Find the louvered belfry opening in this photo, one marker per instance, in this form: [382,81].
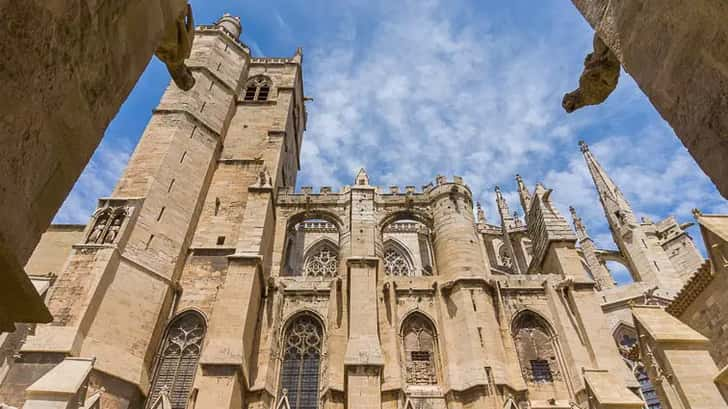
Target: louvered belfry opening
[177,360]
[302,346]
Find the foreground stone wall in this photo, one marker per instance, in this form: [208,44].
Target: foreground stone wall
[69,67]
[677,51]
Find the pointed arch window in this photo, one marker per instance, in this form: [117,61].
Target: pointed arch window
[321,261]
[177,360]
[626,339]
[418,338]
[396,261]
[302,345]
[536,350]
[257,89]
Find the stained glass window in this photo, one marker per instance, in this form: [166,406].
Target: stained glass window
[301,362]
[177,362]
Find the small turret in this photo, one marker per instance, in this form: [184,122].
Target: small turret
[231,24]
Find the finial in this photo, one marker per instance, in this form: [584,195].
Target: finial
[572,211]
[540,189]
[697,213]
[584,147]
[362,179]
[481,213]
[298,56]
[497,189]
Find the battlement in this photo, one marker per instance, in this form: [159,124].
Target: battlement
[228,35]
[273,60]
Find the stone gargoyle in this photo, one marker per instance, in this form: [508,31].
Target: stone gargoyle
[176,47]
[599,79]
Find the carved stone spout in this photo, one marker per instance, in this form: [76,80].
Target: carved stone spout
[176,46]
[597,81]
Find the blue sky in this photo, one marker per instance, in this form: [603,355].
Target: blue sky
[412,89]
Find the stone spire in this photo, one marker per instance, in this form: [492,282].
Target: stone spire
[581,233]
[525,197]
[503,209]
[362,179]
[597,270]
[481,214]
[616,207]
[506,224]
[648,261]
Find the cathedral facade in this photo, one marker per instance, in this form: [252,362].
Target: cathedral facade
[206,281]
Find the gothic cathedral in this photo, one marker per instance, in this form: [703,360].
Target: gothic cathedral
[206,281]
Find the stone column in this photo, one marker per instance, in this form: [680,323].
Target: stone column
[69,67]
[666,46]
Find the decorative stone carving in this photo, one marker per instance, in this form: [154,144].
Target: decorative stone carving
[113,229]
[176,47]
[263,178]
[108,222]
[99,227]
[599,79]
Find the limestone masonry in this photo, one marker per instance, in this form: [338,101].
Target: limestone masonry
[205,281]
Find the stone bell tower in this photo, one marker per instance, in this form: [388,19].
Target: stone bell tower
[120,284]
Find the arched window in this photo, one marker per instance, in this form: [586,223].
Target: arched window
[418,338]
[321,261]
[396,260]
[302,346]
[257,89]
[626,338]
[177,360]
[535,349]
[504,257]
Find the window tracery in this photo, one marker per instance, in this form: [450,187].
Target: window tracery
[396,263]
[257,89]
[419,351]
[535,349]
[300,370]
[626,339]
[322,262]
[177,362]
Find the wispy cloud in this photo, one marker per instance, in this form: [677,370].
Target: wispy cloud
[413,89]
[97,180]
